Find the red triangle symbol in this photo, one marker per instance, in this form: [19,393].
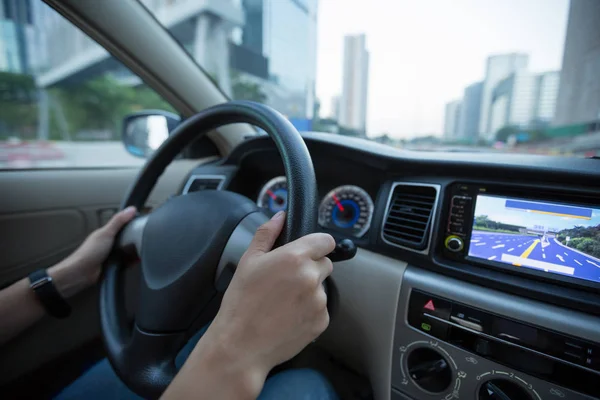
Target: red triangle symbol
[429,305]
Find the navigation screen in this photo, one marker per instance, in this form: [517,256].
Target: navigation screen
[550,237]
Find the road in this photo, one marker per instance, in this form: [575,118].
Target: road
[543,253]
[66,155]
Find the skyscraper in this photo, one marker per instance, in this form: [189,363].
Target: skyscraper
[547,96]
[524,100]
[579,93]
[20,47]
[266,44]
[452,119]
[335,107]
[468,128]
[498,68]
[353,103]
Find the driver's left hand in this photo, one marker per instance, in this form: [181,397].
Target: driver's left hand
[86,261]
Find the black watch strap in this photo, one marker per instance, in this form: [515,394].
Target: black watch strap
[48,295]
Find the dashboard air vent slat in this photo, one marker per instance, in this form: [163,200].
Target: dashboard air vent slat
[197,183]
[409,215]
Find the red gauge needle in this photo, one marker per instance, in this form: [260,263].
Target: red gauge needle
[272,195]
[337,203]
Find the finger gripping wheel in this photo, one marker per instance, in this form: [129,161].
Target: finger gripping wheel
[180,245]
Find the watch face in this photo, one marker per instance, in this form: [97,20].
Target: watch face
[47,294]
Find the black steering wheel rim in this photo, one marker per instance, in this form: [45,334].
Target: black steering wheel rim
[140,358]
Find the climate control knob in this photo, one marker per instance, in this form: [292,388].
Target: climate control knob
[502,389]
[429,369]
[454,244]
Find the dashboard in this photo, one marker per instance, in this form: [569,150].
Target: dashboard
[487,267]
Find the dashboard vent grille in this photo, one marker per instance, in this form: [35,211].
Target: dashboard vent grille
[409,215]
[198,183]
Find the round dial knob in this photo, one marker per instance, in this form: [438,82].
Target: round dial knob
[502,389]
[454,243]
[429,369]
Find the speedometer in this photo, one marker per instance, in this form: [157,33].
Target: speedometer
[273,196]
[347,209]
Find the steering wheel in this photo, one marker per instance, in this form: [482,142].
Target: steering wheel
[189,246]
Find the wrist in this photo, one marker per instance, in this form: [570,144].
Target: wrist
[243,376]
[68,278]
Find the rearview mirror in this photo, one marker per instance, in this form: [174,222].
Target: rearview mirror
[144,131]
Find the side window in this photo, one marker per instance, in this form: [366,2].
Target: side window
[62,96]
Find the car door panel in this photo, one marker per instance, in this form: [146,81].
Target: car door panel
[46,214]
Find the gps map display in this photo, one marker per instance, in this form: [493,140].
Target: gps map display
[549,237]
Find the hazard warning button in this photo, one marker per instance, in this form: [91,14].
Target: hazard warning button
[422,303]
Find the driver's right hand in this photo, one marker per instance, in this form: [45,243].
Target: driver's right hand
[276,303]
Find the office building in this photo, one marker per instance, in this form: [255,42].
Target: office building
[468,126]
[525,100]
[579,93]
[267,43]
[22,48]
[452,118]
[547,96]
[353,103]
[498,68]
[335,108]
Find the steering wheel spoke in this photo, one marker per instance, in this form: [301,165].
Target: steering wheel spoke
[130,239]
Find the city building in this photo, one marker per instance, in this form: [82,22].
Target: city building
[547,97]
[468,127]
[353,103]
[452,118]
[525,100]
[268,45]
[579,93]
[335,108]
[498,68]
[21,46]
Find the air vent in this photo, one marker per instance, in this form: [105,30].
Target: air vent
[197,183]
[409,215]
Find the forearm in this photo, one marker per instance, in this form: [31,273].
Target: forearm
[213,371]
[19,306]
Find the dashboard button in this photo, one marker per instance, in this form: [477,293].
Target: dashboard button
[456,228]
[421,303]
[470,318]
[458,219]
[454,244]
[433,327]
[483,347]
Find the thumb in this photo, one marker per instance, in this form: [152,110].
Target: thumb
[114,225]
[267,234]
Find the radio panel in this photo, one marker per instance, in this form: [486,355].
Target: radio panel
[523,232]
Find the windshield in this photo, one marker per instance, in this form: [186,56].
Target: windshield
[461,75]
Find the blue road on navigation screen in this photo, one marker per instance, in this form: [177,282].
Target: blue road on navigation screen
[546,252]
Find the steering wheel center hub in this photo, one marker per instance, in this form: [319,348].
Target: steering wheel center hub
[182,243]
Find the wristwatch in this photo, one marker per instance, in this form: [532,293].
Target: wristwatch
[43,286]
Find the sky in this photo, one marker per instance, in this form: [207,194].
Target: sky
[494,208]
[423,53]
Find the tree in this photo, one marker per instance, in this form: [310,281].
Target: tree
[482,220]
[18,105]
[504,133]
[101,103]
[244,89]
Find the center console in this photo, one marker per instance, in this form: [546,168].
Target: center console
[455,340]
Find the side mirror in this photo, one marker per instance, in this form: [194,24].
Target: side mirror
[144,131]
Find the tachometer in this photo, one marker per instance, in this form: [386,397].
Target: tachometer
[273,196]
[348,209]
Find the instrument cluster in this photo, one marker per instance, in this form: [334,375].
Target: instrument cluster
[347,209]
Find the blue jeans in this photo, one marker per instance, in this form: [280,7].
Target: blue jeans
[101,382]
